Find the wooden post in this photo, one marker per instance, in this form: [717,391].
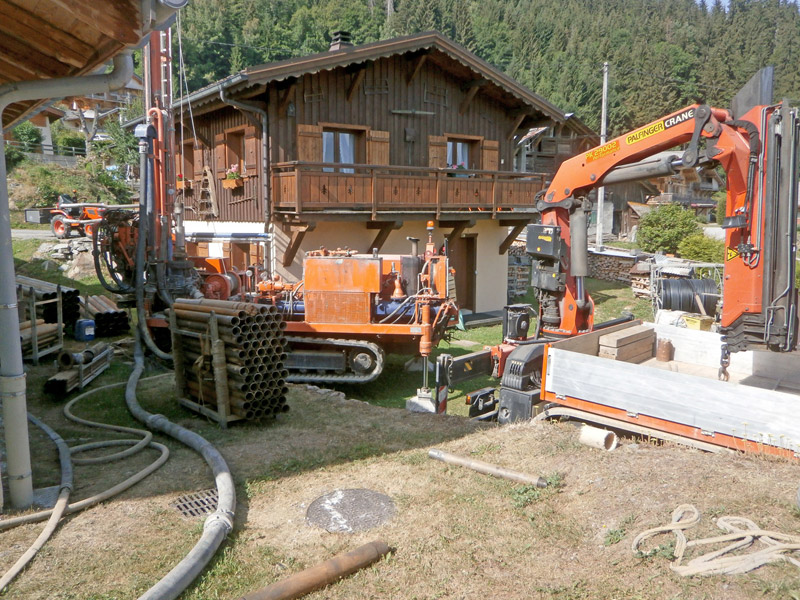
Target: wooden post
[438,194]
[298,202]
[218,363]
[373,180]
[177,356]
[494,195]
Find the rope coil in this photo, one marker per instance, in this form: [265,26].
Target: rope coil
[741,533]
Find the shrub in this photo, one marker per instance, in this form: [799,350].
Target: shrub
[29,135]
[67,141]
[14,156]
[664,228]
[702,248]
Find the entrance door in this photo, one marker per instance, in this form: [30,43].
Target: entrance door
[463,258]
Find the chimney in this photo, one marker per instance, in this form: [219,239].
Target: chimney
[341,39]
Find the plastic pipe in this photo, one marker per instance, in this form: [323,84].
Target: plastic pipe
[12,377]
[486,468]
[323,574]
[598,438]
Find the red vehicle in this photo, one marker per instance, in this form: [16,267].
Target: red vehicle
[69,216]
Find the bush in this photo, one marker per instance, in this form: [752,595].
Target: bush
[14,156]
[664,228]
[67,141]
[29,135]
[701,248]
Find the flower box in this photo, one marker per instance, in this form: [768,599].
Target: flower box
[183,184]
[232,184]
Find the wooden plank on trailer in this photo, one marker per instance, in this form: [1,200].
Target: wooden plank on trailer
[759,415]
[631,335]
[628,351]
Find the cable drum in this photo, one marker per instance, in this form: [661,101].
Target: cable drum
[680,294]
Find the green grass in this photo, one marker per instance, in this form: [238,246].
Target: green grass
[25,264]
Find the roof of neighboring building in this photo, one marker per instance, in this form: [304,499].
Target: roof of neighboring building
[438,49]
[49,39]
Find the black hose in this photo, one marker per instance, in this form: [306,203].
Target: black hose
[680,294]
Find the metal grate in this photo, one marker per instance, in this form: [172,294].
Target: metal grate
[197,504]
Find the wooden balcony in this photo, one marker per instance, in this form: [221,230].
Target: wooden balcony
[374,192]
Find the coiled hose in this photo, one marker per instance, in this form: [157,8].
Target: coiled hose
[682,294]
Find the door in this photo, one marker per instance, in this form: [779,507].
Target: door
[463,257]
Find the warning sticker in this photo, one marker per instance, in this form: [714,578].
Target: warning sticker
[602,151]
[731,253]
[644,133]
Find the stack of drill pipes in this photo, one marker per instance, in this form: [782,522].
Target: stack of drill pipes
[252,353]
[108,319]
[27,324]
[67,360]
[44,290]
[46,336]
[64,382]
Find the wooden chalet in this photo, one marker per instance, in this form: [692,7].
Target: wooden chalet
[362,145]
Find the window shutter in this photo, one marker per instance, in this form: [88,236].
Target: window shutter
[490,155]
[437,151]
[250,151]
[198,163]
[220,155]
[377,147]
[309,143]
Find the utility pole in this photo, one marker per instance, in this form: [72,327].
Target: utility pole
[601,191]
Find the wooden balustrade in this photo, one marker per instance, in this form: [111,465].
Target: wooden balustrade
[303,187]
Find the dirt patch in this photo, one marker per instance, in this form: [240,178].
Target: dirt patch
[456,534]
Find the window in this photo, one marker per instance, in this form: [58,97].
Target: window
[458,154]
[234,141]
[340,146]
[236,147]
[184,167]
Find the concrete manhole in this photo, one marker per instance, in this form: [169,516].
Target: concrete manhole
[348,511]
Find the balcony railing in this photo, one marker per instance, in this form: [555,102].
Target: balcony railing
[303,187]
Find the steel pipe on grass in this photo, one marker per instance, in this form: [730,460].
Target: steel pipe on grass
[486,468]
[323,574]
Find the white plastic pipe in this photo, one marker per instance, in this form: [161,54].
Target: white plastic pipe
[598,438]
[12,377]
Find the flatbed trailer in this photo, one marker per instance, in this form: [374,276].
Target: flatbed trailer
[755,411]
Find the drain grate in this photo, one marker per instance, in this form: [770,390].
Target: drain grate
[197,504]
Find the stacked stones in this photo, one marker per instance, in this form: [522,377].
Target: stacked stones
[244,369]
[108,319]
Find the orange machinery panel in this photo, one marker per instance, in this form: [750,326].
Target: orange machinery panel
[342,274]
[340,289]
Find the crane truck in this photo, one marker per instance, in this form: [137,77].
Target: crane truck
[557,369]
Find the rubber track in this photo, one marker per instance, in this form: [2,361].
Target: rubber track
[332,343]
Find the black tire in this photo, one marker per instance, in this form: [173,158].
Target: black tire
[59,228]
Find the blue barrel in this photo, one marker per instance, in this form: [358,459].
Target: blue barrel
[84,330]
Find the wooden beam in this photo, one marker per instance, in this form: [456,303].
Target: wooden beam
[384,229]
[295,240]
[416,68]
[119,21]
[520,118]
[286,98]
[458,230]
[472,91]
[188,133]
[354,85]
[511,237]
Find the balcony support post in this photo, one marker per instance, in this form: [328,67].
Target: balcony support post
[385,228]
[517,228]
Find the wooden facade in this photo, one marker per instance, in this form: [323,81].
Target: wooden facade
[388,135]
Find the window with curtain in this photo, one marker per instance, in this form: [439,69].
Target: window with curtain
[458,154]
[339,146]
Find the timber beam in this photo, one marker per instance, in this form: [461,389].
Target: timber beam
[286,97]
[458,228]
[516,229]
[189,134]
[416,67]
[358,79]
[471,91]
[296,235]
[384,229]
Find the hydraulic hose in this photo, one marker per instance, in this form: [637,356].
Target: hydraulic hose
[217,525]
[57,512]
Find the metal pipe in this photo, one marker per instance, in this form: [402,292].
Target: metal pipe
[202,317]
[486,468]
[323,574]
[12,376]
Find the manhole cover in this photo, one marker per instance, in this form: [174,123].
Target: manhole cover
[347,511]
[197,504]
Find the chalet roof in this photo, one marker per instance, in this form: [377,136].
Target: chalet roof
[440,50]
[62,38]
